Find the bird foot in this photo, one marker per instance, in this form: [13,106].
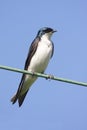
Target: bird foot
[49,77]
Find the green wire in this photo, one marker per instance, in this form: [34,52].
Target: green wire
[43,76]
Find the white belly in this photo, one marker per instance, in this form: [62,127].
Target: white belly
[41,57]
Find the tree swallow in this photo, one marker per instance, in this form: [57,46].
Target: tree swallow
[40,52]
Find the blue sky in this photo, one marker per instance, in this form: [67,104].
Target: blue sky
[49,105]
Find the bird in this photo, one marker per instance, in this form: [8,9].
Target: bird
[40,52]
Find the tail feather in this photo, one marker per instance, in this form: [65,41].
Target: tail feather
[20,98]
[14,99]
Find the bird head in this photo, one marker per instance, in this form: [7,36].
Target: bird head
[46,31]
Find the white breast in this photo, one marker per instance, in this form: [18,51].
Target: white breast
[42,56]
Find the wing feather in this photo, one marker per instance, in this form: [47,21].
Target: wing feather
[31,52]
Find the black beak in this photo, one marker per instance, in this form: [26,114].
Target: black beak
[54,31]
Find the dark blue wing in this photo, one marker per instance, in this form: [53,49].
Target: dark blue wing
[31,52]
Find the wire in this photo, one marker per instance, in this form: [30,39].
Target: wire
[44,76]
